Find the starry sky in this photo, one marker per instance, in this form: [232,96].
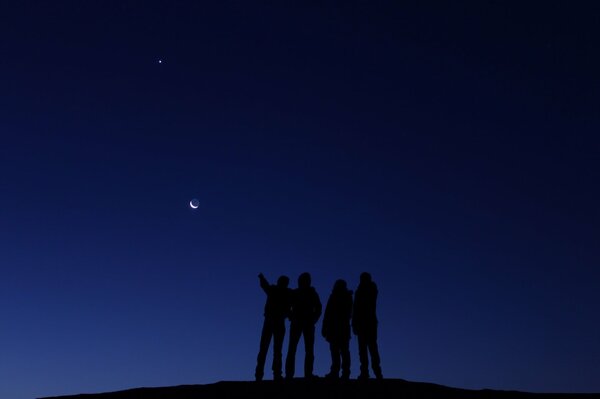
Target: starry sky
[451,150]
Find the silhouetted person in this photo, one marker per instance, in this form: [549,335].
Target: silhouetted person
[336,329]
[306,310]
[364,325]
[277,308]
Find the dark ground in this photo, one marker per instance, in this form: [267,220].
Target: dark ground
[303,389]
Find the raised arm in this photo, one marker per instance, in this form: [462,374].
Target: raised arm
[264,284]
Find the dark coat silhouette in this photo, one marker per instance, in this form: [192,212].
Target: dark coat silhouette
[277,308]
[306,310]
[364,325]
[336,328]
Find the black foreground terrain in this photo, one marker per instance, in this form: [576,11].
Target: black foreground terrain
[318,388]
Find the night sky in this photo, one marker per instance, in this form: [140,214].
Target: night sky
[451,150]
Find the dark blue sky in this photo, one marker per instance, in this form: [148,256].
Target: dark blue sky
[451,150]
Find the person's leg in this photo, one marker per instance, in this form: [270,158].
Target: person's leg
[309,346]
[290,360]
[334,348]
[363,356]
[278,334]
[374,351]
[265,341]
[345,354]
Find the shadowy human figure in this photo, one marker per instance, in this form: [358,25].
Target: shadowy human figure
[306,310]
[336,329]
[364,325]
[277,308]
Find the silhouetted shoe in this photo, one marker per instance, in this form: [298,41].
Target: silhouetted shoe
[363,376]
[289,377]
[277,377]
[258,378]
[332,376]
[379,376]
[345,376]
[311,377]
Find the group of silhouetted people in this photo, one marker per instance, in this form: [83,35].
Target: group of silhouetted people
[302,306]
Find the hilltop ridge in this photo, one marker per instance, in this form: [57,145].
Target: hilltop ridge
[309,389]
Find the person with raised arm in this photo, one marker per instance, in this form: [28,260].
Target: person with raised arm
[277,309]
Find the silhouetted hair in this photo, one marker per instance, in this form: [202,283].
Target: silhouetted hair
[304,280]
[340,285]
[365,277]
[283,281]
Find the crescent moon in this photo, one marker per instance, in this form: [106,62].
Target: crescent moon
[192,205]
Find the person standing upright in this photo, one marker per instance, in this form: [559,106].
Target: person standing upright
[336,329]
[277,309]
[364,325]
[306,310]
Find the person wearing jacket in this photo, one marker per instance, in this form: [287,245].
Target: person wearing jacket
[306,310]
[277,309]
[336,329]
[364,325]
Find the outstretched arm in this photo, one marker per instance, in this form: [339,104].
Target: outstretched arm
[264,284]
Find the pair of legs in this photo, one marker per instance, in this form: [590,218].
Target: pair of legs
[340,350]
[367,342]
[308,331]
[271,328]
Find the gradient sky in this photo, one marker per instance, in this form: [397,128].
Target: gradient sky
[452,150]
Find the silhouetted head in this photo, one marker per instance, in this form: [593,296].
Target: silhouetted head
[340,285]
[365,278]
[283,281]
[304,280]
